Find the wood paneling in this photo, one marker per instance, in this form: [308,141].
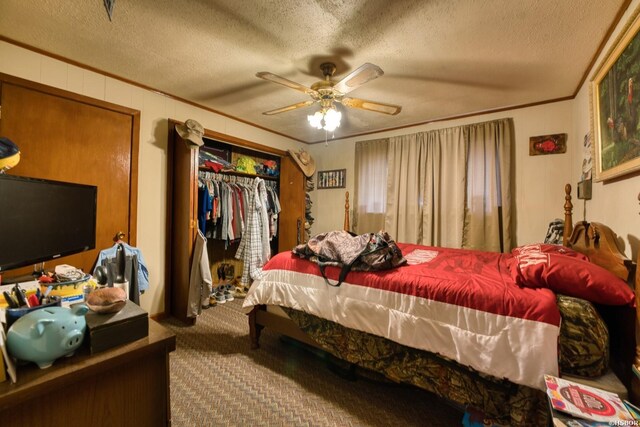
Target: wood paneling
[292,200]
[182,219]
[68,137]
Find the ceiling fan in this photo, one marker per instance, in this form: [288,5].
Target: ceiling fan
[326,92]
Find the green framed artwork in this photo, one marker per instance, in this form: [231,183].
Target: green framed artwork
[615,106]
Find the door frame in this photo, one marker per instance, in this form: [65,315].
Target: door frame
[94,102]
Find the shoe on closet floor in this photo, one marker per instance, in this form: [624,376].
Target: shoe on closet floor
[212,300]
[228,293]
[220,298]
[240,292]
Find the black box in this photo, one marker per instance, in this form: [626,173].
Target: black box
[109,330]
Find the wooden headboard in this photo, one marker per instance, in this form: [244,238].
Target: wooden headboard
[600,244]
[597,241]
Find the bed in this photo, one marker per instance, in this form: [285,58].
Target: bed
[466,325]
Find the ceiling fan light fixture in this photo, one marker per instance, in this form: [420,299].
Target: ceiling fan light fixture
[327,119]
[315,120]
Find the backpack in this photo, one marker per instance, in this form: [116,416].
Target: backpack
[364,252]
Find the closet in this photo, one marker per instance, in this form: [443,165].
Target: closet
[184,174]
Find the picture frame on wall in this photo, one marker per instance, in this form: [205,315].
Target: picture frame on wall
[548,144]
[615,106]
[332,179]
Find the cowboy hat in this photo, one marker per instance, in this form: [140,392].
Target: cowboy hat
[305,161]
[191,131]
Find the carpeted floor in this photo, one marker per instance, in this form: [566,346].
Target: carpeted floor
[217,380]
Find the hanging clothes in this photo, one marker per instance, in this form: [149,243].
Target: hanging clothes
[200,281]
[141,268]
[223,205]
[254,247]
[205,206]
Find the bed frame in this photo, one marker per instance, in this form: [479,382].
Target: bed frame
[596,240]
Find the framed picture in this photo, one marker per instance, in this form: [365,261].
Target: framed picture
[615,106]
[332,179]
[548,144]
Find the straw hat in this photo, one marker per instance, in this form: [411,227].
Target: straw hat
[191,131]
[305,161]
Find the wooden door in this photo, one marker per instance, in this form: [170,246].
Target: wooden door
[67,137]
[182,206]
[291,219]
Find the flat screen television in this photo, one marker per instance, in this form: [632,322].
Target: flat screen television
[41,220]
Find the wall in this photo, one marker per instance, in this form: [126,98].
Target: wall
[614,203]
[152,164]
[539,180]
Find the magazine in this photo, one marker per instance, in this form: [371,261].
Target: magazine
[586,402]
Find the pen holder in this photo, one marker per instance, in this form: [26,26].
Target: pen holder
[13,314]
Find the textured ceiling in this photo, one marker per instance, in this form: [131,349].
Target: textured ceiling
[441,58]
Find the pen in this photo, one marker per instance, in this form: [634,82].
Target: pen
[33,300]
[9,299]
[22,301]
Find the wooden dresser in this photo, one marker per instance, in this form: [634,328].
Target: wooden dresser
[124,386]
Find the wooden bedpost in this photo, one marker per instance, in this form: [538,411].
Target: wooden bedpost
[568,212]
[346,212]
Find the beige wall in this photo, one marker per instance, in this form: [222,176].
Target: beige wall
[539,180]
[613,203]
[155,110]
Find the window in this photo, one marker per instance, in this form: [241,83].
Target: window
[370,198]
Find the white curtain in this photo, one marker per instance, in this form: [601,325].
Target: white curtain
[452,187]
[488,214]
[370,192]
[405,183]
[426,187]
[444,189]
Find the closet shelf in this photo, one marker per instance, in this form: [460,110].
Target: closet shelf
[235,173]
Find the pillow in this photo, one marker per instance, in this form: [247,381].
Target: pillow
[549,249]
[570,276]
[583,344]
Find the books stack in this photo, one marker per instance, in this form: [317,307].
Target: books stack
[105,331]
[575,404]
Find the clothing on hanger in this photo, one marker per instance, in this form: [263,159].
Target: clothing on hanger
[200,282]
[142,277]
[254,248]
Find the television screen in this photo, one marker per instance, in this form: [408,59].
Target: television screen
[41,220]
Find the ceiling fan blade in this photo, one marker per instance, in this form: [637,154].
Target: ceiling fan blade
[361,75]
[285,82]
[378,107]
[289,107]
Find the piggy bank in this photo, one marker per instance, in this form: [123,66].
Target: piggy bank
[44,335]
